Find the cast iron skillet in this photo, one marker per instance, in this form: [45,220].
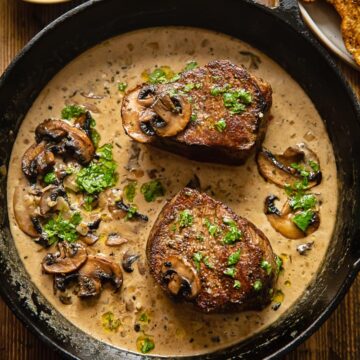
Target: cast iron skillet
[279,33]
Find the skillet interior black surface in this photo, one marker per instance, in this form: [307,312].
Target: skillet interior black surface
[278,33]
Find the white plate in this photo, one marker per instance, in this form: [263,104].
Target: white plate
[325,22]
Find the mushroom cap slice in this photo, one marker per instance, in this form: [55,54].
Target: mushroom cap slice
[24,211]
[68,259]
[71,138]
[49,199]
[131,111]
[278,169]
[181,278]
[98,268]
[175,111]
[36,160]
[283,222]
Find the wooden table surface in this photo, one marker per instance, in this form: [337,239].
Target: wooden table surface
[337,339]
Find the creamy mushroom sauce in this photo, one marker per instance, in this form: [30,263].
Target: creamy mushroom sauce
[176,328]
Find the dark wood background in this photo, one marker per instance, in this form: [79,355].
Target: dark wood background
[337,339]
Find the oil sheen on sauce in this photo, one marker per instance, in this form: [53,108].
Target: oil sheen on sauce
[176,328]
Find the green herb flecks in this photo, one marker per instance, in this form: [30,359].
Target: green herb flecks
[220,125]
[131,212]
[197,257]
[207,262]
[160,75]
[234,234]
[213,229]
[144,318]
[193,117]
[279,264]
[109,322]
[237,284]
[152,190]
[234,258]
[190,65]
[257,285]
[50,178]
[230,271]
[100,174]
[314,165]
[186,219]
[72,111]
[236,100]
[130,191]
[145,344]
[265,265]
[88,201]
[303,219]
[122,86]
[303,201]
[59,228]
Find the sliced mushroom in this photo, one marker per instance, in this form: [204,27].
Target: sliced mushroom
[174,112]
[68,138]
[146,95]
[282,221]
[131,110]
[37,160]
[25,211]
[278,169]
[84,122]
[136,215]
[89,239]
[49,199]
[180,277]
[96,270]
[68,259]
[115,239]
[128,260]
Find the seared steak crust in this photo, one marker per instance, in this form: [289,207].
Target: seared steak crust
[249,284]
[201,140]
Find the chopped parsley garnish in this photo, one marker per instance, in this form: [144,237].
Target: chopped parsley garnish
[59,228]
[109,322]
[220,125]
[130,191]
[233,235]
[122,86]
[193,117]
[303,219]
[185,219]
[188,87]
[231,271]
[314,165]
[145,344]
[50,178]
[207,263]
[131,212]
[161,75]
[257,285]
[197,257]
[191,65]
[72,111]
[99,174]
[217,90]
[234,258]
[200,237]
[212,228]
[232,100]
[237,284]
[144,318]
[152,190]
[300,169]
[95,137]
[265,265]
[88,200]
[279,263]
[305,202]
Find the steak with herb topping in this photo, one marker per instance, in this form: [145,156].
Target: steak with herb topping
[214,113]
[200,251]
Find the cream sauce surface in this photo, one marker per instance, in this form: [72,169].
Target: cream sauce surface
[177,329]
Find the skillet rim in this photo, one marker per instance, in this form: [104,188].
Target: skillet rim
[291,20]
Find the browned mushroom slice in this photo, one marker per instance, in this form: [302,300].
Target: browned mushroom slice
[131,111]
[49,199]
[25,212]
[291,224]
[174,112]
[68,259]
[291,166]
[37,160]
[68,137]
[96,270]
[128,260]
[115,239]
[181,278]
